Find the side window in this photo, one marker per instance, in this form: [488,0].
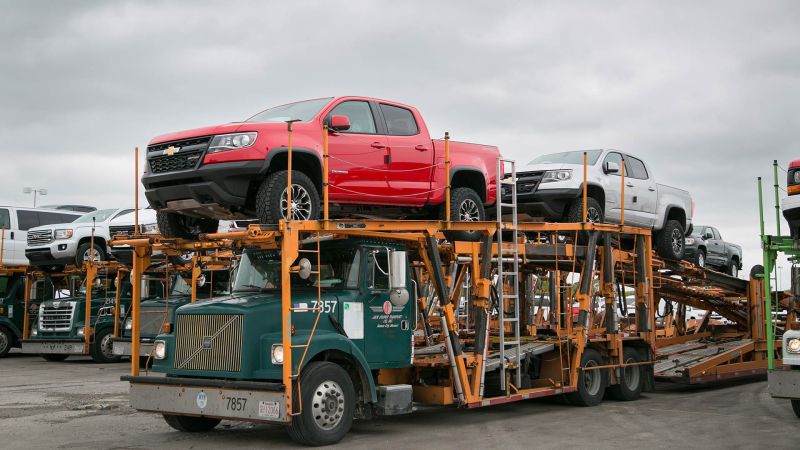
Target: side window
[716,234]
[399,121]
[355,270]
[5,219]
[49,218]
[360,115]
[615,158]
[637,168]
[378,264]
[27,219]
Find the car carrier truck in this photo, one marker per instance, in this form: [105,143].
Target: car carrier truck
[335,320]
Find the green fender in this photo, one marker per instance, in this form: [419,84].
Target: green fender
[4,322]
[326,340]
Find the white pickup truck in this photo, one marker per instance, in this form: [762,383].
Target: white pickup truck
[70,243]
[550,187]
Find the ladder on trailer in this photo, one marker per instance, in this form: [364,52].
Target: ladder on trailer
[508,275]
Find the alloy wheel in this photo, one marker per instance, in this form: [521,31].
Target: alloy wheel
[301,203]
[468,211]
[677,241]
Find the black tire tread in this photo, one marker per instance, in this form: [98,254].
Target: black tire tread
[575,210]
[170,225]
[458,195]
[620,391]
[9,338]
[304,433]
[581,397]
[94,348]
[85,246]
[268,195]
[54,357]
[663,243]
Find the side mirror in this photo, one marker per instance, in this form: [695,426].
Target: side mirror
[201,280]
[304,268]
[340,123]
[610,167]
[398,294]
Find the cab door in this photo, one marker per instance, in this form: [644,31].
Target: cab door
[410,156]
[7,235]
[357,163]
[643,198]
[387,328]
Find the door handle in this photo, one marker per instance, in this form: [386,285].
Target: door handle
[421,148]
[629,184]
[651,189]
[377,145]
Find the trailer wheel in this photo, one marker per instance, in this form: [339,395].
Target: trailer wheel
[174,225]
[189,424]
[271,198]
[328,404]
[670,242]
[796,407]
[465,206]
[102,349]
[630,385]
[54,357]
[6,340]
[591,383]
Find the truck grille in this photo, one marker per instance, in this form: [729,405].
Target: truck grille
[56,318]
[528,181]
[187,155]
[121,229]
[209,342]
[40,237]
[150,320]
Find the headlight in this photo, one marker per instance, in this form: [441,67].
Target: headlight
[796,176]
[690,241]
[150,228]
[226,142]
[34,332]
[556,175]
[793,345]
[277,354]
[62,234]
[159,350]
[81,331]
[129,324]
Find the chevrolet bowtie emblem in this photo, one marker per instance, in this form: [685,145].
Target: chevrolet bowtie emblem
[171,150]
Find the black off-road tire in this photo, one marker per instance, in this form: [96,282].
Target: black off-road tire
[54,357]
[632,378]
[593,210]
[591,387]
[700,258]
[318,390]
[465,205]
[758,269]
[733,268]
[174,225]
[101,350]
[6,341]
[84,248]
[190,424]
[269,195]
[673,233]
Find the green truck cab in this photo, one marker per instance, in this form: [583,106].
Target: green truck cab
[58,327]
[12,309]
[157,312]
[225,356]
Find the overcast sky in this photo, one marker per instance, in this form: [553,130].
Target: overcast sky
[708,93]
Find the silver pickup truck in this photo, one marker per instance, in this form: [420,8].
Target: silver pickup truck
[550,187]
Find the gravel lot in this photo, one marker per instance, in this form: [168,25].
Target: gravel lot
[80,404]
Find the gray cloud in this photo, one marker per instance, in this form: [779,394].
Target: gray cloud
[706,92]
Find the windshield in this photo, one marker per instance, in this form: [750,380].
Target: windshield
[214,284]
[575,157]
[261,270]
[302,111]
[98,216]
[698,231]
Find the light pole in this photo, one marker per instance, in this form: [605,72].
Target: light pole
[28,190]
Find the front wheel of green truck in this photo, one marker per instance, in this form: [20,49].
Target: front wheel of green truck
[54,357]
[102,349]
[6,340]
[190,424]
[328,404]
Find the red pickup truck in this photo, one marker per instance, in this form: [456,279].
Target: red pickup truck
[382,161]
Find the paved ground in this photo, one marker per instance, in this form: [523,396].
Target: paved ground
[79,404]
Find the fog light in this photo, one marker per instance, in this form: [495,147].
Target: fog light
[793,345]
[128,324]
[277,354]
[159,350]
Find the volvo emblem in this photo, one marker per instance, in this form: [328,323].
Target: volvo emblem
[171,150]
[202,400]
[206,342]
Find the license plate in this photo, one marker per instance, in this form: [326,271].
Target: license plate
[59,347]
[270,410]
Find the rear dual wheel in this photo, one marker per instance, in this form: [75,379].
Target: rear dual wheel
[631,379]
[591,382]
